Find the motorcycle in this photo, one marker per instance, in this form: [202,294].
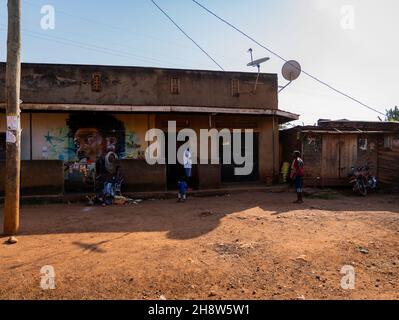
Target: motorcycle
[361,180]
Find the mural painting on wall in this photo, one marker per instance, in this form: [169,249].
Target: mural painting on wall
[99,140]
[132,150]
[89,146]
[58,145]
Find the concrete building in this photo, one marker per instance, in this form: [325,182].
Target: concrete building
[68,107]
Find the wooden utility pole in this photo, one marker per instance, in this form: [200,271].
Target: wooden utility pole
[13,136]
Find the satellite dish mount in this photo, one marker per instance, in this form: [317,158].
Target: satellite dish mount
[257,64]
[291,71]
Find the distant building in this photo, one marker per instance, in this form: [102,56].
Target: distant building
[331,148]
[68,109]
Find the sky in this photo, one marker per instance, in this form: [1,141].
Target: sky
[350,44]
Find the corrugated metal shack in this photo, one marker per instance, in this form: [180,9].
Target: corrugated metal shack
[331,148]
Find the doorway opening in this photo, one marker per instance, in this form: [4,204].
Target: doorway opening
[228,170]
[175,171]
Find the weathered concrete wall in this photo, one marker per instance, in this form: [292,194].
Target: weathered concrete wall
[71,84]
[140,176]
[269,156]
[49,132]
[50,141]
[38,177]
[209,176]
[46,177]
[25,136]
[268,137]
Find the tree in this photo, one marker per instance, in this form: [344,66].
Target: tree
[393,114]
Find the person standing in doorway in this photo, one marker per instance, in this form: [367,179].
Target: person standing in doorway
[188,164]
[297,173]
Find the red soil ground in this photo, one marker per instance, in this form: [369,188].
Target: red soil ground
[245,246]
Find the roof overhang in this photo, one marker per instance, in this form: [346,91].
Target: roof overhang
[283,116]
[347,132]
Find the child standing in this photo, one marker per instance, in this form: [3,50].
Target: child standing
[182,186]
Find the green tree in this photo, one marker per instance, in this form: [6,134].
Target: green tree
[393,114]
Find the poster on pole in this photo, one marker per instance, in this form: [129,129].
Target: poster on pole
[12,122]
[11,137]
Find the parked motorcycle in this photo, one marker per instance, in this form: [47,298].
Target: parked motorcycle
[362,180]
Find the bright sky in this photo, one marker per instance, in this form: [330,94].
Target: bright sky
[358,56]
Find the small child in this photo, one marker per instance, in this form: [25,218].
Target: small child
[182,186]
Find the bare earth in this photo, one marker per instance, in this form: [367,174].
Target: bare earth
[245,246]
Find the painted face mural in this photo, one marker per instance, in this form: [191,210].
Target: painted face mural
[97,137]
[89,144]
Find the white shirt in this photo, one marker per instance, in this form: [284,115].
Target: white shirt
[188,162]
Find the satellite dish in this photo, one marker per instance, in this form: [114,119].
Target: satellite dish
[257,62]
[291,70]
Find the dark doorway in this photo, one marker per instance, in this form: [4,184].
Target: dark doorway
[2,146]
[228,170]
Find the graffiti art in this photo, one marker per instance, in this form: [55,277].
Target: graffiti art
[98,141]
[96,134]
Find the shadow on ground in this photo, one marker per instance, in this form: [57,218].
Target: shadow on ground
[195,218]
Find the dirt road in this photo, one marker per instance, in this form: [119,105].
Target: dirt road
[245,246]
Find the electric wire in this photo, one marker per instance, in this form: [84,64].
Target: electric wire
[190,38]
[286,60]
